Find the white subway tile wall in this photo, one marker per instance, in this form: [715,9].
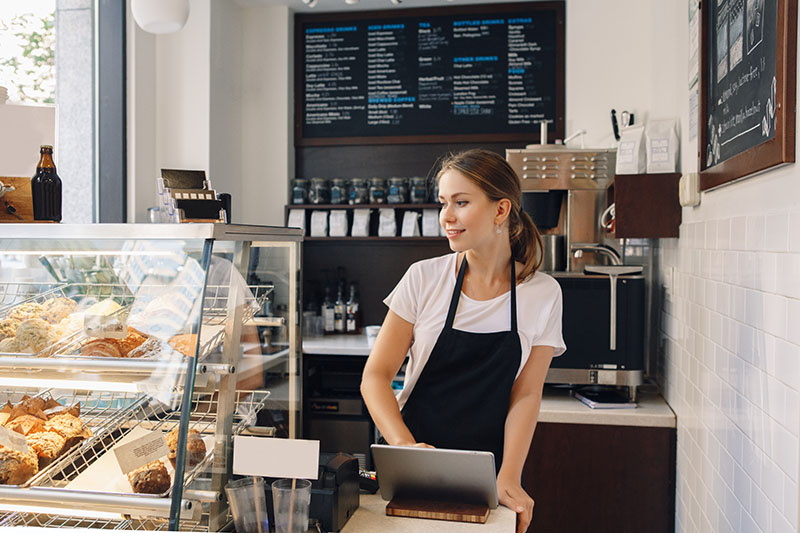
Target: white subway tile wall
[729,365]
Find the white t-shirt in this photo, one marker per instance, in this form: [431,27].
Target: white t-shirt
[422,297]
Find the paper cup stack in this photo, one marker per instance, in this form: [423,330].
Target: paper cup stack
[3,95]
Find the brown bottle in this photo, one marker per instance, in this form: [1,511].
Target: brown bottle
[46,188]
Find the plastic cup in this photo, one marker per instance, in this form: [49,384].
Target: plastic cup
[248,504]
[291,505]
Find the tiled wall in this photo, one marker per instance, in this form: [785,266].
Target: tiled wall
[729,365]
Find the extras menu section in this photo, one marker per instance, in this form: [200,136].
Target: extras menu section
[430,73]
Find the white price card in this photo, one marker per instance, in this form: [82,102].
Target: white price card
[142,451]
[13,440]
[271,457]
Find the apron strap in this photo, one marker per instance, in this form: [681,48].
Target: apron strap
[513,295]
[451,312]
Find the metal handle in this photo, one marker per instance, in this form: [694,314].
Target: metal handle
[612,332]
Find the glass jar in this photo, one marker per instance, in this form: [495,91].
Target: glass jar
[397,192]
[377,191]
[300,192]
[338,191]
[418,190]
[358,193]
[434,197]
[320,192]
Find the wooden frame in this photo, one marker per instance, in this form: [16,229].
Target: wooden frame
[557,132]
[778,150]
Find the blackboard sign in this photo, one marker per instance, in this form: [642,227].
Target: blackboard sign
[488,73]
[748,60]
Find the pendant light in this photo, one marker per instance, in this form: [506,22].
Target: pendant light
[160,16]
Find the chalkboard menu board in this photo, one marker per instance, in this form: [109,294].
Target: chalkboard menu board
[741,98]
[748,87]
[473,73]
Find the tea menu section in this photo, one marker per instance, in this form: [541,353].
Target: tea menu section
[453,74]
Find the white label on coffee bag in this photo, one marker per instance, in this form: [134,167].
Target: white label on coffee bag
[13,440]
[270,457]
[142,451]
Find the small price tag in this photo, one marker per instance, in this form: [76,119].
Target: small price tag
[13,440]
[142,451]
[104,327]
[271,457]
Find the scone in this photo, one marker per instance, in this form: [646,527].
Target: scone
[152,478]
[195,447]
[9,345]
[33,335]
[150,349]
[47,445]
[17,467]
[56,309]
[25,311]
[8,328]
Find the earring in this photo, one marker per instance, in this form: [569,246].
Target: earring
[498,230]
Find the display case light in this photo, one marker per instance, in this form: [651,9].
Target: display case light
[160,16]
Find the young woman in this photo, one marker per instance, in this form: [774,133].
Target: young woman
[481,325]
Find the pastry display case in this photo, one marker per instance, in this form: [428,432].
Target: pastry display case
[130,355]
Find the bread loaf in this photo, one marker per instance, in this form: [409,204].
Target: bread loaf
[195,447]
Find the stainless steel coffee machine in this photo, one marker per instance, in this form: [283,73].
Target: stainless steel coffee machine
[564,191]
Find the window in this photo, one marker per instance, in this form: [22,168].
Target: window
[48,57]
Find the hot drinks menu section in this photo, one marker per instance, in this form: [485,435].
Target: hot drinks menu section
[433,75]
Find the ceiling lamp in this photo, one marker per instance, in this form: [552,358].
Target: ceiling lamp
[160,16]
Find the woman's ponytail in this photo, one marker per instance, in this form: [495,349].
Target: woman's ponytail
[526,243]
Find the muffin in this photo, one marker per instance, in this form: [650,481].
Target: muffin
[68,426]
[195,447]
[9,345]
[152,478]
[26,424]
[17,467]
[47,445]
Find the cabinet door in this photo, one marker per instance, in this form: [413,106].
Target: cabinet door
[599,478]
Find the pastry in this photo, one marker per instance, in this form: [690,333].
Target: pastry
[105,307]
[33,335]
[47,445]
[9,345]
[101,348]
[152,478]
[8,328]
[66,425]
[56,309]
[26,424]
[114,347]
[17,467]
[150,349]
[184,343]
[25,311]
[195,447]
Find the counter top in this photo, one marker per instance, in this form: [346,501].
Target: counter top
[559,407]
[371,517]
[337,345]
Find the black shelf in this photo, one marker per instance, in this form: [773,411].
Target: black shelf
[373,239]
[363,206]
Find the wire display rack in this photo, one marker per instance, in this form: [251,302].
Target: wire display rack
[18,292]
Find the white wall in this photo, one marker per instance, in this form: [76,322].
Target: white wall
[214,96]
[730,361]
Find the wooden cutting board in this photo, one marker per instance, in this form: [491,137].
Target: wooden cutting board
[20,199]
[454,512]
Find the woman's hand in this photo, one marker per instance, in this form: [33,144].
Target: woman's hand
[512,495]
[415,444]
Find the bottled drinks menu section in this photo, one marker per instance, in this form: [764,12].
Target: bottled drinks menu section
[448,73]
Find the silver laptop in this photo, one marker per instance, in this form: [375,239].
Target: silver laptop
[436,473]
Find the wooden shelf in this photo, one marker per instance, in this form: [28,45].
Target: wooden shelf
[646,205]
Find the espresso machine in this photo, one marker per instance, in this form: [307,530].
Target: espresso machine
[565,192]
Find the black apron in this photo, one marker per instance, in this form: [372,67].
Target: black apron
[462,396]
